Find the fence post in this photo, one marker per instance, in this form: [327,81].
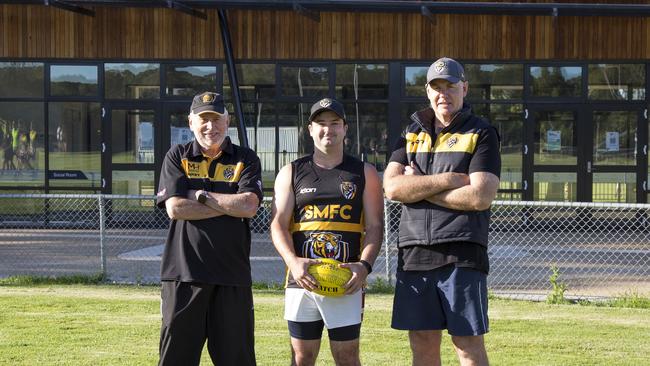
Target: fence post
[102,226]
[386,243]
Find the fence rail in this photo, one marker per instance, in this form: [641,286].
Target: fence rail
[601,250]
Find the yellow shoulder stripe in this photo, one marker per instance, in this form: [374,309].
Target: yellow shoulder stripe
[456,142]
[418,143]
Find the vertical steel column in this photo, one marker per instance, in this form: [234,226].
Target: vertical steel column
[386,242]
[232,76]
[102,229]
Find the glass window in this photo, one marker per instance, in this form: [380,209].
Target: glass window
[73,80]
[21,79]
[190,80]
[362,81]
[555,138]
[415,79]
[22,208]
[407,111]
[560,187]
[614,187]
[255,81]
[294,134]
[138,182]
[616,82]
[133,136]
[22,144]
[74,144]
[305,81]
[614,137]
[556,81]
[495,81]
[132,81]
[179,129]
[367,135]
[509,121]
[260,130]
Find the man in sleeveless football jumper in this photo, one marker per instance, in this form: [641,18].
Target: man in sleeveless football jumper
[326,205]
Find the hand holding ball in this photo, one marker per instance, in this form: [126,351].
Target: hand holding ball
[330,277]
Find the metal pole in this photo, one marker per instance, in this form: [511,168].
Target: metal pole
[102,227]
[232,76]
[386,242]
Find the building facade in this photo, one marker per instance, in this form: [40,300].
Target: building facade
[91,103]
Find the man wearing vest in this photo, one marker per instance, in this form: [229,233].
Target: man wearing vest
[445,170]
[210,187]
[326,205]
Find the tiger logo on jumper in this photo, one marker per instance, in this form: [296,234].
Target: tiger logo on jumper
[348,189]
[326,245]
[229,172]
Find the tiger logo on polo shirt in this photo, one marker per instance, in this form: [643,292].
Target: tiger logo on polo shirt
[326,245]
[216,172]
[229,172]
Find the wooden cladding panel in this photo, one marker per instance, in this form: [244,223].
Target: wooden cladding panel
[158,33]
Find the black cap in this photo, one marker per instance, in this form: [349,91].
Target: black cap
[446,68]
[207,102]
[327,104]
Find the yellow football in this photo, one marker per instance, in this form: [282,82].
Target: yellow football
[330,277]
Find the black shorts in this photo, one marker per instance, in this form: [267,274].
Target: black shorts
[314,330]
[192,312]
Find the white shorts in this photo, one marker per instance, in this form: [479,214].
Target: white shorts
[301,305]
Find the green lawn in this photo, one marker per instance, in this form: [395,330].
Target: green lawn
[111,325]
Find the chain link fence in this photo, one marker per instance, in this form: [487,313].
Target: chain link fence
[600,250]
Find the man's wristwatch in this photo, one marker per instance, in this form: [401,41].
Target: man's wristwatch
[202,197]
[367,265]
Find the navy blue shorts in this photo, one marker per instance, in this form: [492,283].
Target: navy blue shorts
[450,297]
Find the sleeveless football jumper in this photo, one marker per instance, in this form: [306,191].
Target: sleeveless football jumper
[327,217]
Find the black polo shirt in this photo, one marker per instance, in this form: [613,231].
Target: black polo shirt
[214,250]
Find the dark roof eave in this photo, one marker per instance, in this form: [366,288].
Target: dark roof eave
[394,6]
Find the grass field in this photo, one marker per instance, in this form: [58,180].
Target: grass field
[111,325]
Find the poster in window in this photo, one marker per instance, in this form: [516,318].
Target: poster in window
[612,141]
[553,140]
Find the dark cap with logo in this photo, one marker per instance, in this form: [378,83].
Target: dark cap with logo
[208,102]
[327,104]
[446,68]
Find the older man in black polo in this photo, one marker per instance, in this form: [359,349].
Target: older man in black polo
[210,187]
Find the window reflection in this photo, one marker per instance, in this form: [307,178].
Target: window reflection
[132,81]
[554,81]
[559,187]
[255,81]
[555,138]
[190,80]
[294,136]
[614,137]
[73,80]
[21,144]
[365,81]
[74,144]
[614,187]
[509,122]
[415,79]
[367,135]
[494,81]
[407,111]
[21,79]
[308,81]
[133,136]
[616,82]
[133,182]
